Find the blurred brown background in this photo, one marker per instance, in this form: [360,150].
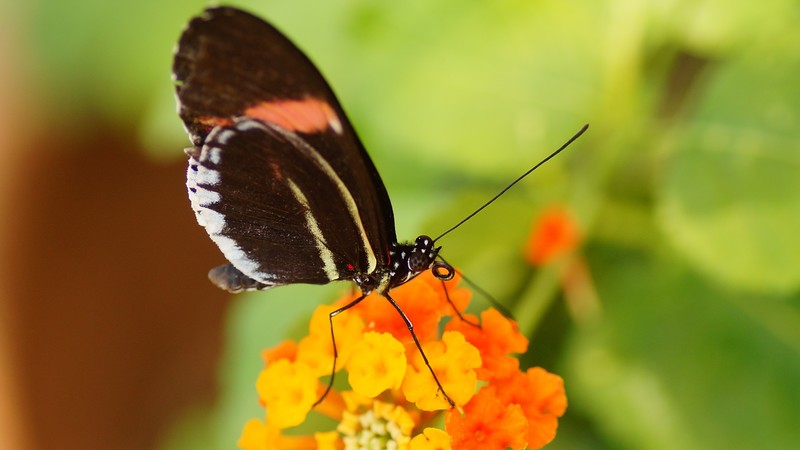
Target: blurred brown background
[103,351]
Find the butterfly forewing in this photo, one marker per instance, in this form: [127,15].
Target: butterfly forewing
[235,74]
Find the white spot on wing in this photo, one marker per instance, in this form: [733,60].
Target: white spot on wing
[204,197]
[224,136]
[198,178]
[191,185]
[246,125]
[239,259]
[215,154]
[206,176]
[214,223]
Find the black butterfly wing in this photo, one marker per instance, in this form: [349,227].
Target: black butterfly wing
[277,223]
[232,68]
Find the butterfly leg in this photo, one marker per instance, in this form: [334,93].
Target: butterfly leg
[333,341]
[419,347]
[453,305]
[443,271]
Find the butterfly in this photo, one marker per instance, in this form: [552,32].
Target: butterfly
[277,175]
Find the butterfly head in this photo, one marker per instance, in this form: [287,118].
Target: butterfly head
[406,261]
[422,255]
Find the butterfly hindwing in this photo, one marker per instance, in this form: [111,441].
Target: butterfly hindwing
[231,68]
[277,223]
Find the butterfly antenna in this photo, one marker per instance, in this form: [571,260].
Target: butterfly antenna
[566,144]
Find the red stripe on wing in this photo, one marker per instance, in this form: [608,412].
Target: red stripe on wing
[309,115]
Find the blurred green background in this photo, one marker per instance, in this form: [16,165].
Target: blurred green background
[686,188]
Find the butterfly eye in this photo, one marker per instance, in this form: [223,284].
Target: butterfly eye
[443,271]
[417,262]
[423,243]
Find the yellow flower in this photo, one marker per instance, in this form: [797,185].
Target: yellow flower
[316,349]
[431,439]
[454,361]
[288,389]
[258,435]
[328,440]
[378,363]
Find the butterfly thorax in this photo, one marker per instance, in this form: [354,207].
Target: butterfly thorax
[408,260]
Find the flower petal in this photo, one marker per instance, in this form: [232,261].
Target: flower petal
[487,424]
[454,361]
[316,349]
[495,339]
[257,435]
[377,363]
[541,396]
[285,350]
[329,440]
[288,389]
[423,301]
[554,234]
[431,439]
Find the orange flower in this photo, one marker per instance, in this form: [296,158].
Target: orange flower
[541,396]
[285,350]
[423,301]
[554,234]
[495,339]
[521,411]
[487,423]
[394,401]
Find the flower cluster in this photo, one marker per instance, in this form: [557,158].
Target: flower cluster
[392,400]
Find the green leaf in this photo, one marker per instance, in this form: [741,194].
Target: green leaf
[677,363]
[729,200]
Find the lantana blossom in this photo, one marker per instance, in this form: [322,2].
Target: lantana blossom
[555,233]
[391,400]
